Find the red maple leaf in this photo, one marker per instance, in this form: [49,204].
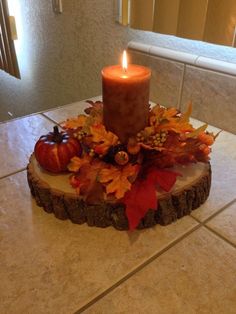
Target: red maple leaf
[139,200]
[164,178]
[143,196]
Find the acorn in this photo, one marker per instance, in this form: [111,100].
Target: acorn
[112,151]
[121,158]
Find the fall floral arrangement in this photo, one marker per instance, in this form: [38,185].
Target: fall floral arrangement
[105,170]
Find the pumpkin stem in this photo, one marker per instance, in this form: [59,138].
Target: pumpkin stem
[57,137]
[55,130]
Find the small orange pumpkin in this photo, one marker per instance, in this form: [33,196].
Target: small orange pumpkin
[54,150]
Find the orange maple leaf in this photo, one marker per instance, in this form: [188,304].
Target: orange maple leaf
[74,123]
[167,119]
[86,183]
[88,178]
[158,111]
[76,163]
[103,138]
[186,115]
[96,109]
[170,113]
[197,131]
[118,179]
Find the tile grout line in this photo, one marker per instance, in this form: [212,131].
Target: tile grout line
[203,223]
[181,89]
[41,112]
[155,256]
[12,173]
[136,270]
[32,114]
[220,236]
[208,67]
[214,214]
[49,119]
[22,169]
[219,211]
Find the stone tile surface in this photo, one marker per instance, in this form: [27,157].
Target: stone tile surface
[197,275]
[225,223]
[54,266]
[213,96]
[69,111]
[223,162]
[166,78]
[17,141]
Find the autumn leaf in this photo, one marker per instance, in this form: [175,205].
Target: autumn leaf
[168,119]
[207,138]
[103,138]
[175,127]
[186,116]
[96,108]
[74,123]
[95,114]
[158,111]
[75,183]
[163,178]
[142,195]
[160,114]
[100,134]
[169,113]
[118,179]
[149,130]
[86,181]
[197,131]
[89,184]
[76,163]
[139,200]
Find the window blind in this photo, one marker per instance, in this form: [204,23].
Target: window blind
[8,60]
[208,20]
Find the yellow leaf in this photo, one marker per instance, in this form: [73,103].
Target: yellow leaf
[96,109]
[74,123]
[217,134]
[149,130]
[175,126]
[158,111]
[169,113]
[76,163]
[186,116]
[117,179]
[103,138]
[196,132]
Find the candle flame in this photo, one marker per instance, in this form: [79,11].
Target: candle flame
[124,61]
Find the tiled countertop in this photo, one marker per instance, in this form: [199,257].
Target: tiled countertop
[53,266]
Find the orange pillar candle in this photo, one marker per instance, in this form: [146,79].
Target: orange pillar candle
[125,99]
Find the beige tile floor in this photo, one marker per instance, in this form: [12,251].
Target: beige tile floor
[53,266]
[17,139]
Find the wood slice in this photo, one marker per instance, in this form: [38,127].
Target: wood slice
[54,193]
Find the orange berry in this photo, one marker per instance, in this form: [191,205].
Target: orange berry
[205,138]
